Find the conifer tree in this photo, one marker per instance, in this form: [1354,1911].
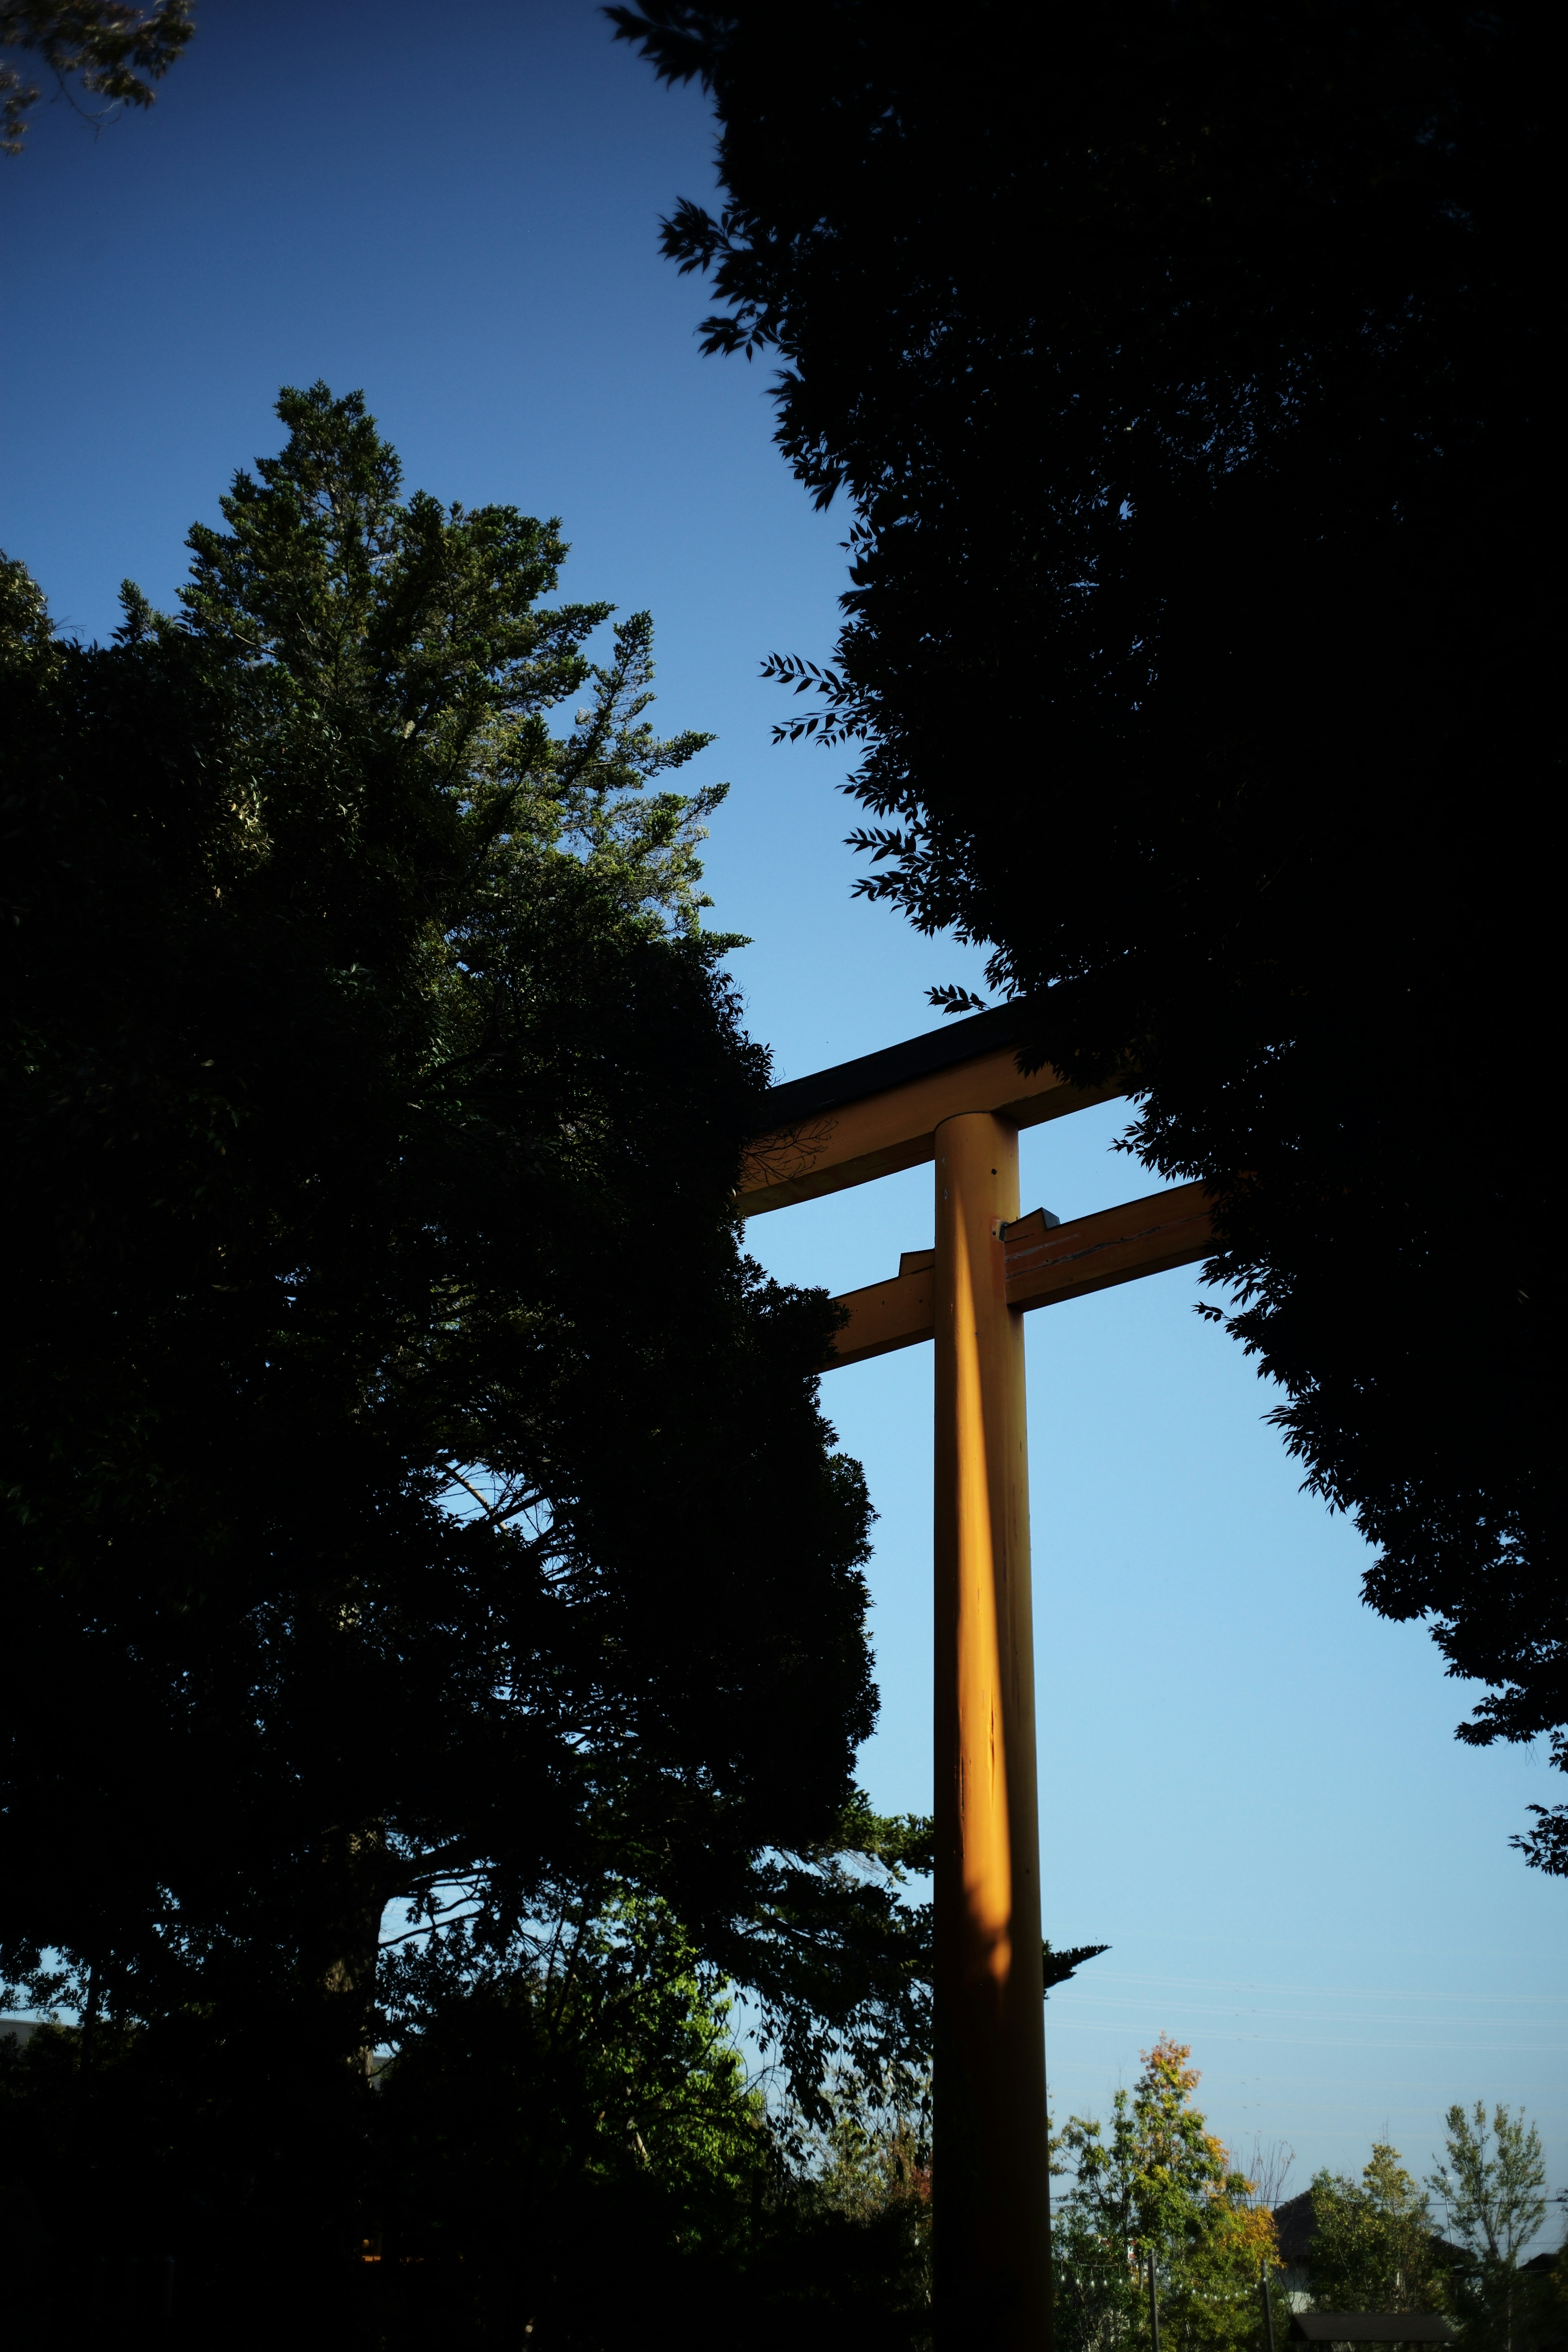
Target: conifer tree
[416,1501]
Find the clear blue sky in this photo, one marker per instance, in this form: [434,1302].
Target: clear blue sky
[1250,1785]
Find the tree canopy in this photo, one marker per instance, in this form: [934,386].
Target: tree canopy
[1374,2248]
[1494,2198]
[110,49]
[1187,370]
[1157,2187]
[539,2109]
[1492,2191]
[415,1498]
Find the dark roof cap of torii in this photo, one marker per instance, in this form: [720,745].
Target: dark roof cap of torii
[895,1066]
[1371,2328]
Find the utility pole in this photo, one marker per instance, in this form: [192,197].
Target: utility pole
[1267,2302]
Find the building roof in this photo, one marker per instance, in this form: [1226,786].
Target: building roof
[1371,2328]
[1295,2225]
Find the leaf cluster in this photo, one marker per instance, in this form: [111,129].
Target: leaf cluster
[113,50]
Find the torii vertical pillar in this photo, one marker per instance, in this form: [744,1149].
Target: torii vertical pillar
[993,2250]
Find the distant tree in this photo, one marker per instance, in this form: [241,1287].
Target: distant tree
[857,2209]
[1269,2168]
[1186,363]
[1492,2193]
[873,2154]
[110,50]
[1373,2248]
[1494,2198]
[1157,2185]
[413,1497]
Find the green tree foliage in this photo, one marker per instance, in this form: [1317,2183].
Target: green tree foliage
[555,2131]
[1187,369]
[1492,2193]
[1374,2248]
[1157,2185]
[414,1497]
[113,51]
[847,2258]
[538,2115]
[874,2149]
[1492,2188]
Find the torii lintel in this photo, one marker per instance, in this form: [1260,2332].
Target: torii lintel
[871,1117]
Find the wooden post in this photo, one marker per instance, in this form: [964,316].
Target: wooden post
[992,2186]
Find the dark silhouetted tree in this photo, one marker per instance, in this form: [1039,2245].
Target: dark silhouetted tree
[1188,370]
[414,1497]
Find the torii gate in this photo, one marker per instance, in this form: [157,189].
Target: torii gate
[956,1097]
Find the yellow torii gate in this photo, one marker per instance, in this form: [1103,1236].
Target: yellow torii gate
[956,1097]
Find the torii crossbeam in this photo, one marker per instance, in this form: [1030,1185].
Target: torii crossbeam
[957,1096]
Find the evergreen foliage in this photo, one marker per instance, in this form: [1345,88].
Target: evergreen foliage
[1187,368]
[414,1497]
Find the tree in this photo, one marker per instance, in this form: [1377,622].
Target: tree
[113,50]
[1186,370]
[415,1498]
[1059,1967]
[848,2257]
[1159,2188]
[541,2108]
[575,2096]
[1373,2248]
[1493,2200]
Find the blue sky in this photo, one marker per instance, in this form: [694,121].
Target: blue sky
[1249,1784]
